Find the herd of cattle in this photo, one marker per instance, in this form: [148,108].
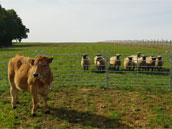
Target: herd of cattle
[139,61]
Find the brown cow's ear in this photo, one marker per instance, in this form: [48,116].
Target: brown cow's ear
[50,59]
[31,61]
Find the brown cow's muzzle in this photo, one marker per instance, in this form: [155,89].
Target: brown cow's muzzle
[35,75]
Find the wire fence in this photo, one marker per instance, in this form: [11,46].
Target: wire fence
[67,71]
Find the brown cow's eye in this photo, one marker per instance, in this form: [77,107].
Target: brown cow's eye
[44,65]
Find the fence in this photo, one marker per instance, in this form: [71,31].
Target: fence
[67,71]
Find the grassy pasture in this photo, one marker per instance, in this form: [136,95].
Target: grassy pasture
[90,106]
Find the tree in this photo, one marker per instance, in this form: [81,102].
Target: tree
[11,27]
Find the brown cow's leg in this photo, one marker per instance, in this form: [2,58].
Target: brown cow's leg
[35,102]
[45,97]
[14,93]
[13,90]
[34,99]
[17,100]
[45,104]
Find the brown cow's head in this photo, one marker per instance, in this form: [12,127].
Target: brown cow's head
[40,67]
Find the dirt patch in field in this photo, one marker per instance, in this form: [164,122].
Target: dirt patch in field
[97,108]
[129,105]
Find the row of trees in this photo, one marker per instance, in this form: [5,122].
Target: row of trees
[11,27]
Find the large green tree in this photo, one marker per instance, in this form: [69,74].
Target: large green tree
[11,27]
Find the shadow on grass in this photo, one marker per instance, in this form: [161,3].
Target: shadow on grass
[163,72]
[98,71]
[86,118]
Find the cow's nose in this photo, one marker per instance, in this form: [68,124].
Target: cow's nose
[35,74]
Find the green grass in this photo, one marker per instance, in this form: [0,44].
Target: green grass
[70,64]
[79,105]
[92,107]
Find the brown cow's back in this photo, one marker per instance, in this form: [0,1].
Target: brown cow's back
[17,70]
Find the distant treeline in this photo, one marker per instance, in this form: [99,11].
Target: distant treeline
[140,41]
[11,27]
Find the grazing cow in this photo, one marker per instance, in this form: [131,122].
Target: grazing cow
[33,75]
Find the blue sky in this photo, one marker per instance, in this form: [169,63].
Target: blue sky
[94,20]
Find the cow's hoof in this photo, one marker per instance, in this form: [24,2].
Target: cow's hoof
[33,115]
[14,107]
[47,112]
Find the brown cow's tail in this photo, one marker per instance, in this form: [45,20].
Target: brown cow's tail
[11,73]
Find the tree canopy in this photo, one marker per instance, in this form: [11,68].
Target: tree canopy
[11,27]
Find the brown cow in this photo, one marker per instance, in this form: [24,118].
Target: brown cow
[33,75]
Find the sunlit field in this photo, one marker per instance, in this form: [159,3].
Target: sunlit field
[84,105]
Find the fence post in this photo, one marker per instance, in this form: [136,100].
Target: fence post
[137,64]
[171,71]
[106,68]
